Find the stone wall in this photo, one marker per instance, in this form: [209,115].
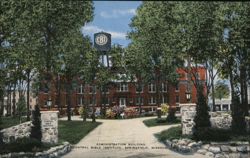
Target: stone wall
[188,112]
[18,131]
[220,120]
[49,125]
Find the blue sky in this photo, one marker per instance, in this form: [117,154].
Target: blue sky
[112,17]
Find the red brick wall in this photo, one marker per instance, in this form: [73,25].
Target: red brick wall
[113,94]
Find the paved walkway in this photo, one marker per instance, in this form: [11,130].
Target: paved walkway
[110,139]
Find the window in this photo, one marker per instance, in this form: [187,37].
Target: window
[163,99]
[105,101]
[104,89]
[122,102]
[139,88]
[123,87]
[139,101]
[177,99]
[152,100]
[81,89]
[164,87]
[80,100]
[92,101]
[177,87]
[92,89]
[151,87]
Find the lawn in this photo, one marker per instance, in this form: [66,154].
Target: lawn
[159,122]
[10,121]
[176,133]
[74,131]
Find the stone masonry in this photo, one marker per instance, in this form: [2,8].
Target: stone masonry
[188,112]
[221,120]
[15,132]
[49,125]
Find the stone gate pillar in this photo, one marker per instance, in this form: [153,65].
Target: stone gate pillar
[49,126]
[188,112]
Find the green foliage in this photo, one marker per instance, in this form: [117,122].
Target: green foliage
[36,132]
[74,131]
[110,114]
[238,122]
[221,90]
[81,111]
[164,108]
[202,117]
[21,106]
[23,145]
[171,115]
[11,121]
[1,135]
[211,134]
[159,122]
[171,133]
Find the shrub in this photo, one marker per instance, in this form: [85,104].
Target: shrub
[81,111]
[117,110]
[171,133]
[1,135]
[171,115]
[202,117]
[22,145]
[110,114]
[21,106]
[212,134]
[130,113]
[164,108]
[238,119]
[36,132]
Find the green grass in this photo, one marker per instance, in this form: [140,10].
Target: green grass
[159,122]
[10,121]
[176,133]
[74,131]
[171,133]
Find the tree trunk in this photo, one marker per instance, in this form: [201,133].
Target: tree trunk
[28,95]
[68,98]
[213,97]
[14,101]
[93,107]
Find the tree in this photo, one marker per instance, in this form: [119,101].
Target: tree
[221,90]
[36,132]
[152,31]
[202,117]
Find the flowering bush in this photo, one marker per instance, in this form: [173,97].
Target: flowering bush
[110,114]
[117,110]
[164,108]
[130,112]
[81,111]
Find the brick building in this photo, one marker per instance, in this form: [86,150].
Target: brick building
[127,94]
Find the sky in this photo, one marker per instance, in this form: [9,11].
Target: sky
[112,17]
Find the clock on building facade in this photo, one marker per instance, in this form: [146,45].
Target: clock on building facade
[102,41]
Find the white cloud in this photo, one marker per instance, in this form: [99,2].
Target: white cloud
[116,13]
[94,29]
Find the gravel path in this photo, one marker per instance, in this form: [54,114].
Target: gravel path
[128,138]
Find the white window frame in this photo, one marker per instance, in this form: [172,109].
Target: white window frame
[93,89]
[139,99]
[122,102]
[178,99]
[80,89]
[142,88]
[164,99]
[151,88]
[152,100]
[123,87]
[164,87]
[177,86]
